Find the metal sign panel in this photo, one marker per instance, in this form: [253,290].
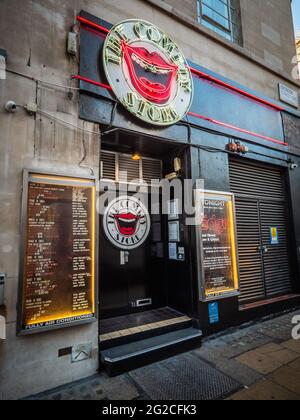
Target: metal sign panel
[289,96]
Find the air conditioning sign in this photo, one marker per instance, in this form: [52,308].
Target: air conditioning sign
[148,72]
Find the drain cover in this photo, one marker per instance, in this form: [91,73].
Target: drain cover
[184,378]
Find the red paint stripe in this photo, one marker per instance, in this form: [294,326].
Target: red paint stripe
[94,25]
[233,127]
[235,89]
[199,73]
[92,82]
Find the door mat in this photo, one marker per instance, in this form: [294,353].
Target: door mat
[184,378]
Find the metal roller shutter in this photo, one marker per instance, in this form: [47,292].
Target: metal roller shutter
[250,259]
[261,203]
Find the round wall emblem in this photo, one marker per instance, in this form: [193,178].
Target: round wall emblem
[148,72]
[126,222]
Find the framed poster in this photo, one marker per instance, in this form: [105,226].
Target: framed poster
[57,268]
[217,247]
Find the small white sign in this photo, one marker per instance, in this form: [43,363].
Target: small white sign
[174,232]
[289,96]
[2,328]
[2,67]
[173,251]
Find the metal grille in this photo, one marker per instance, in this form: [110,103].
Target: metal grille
[184,378]
[261,204]
[152,169]
[115,165]
[129,170]
[256,180]
[250,259]
[108,163]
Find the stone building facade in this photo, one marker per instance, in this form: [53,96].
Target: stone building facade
[33,38]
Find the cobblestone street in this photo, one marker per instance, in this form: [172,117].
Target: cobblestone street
[256,362]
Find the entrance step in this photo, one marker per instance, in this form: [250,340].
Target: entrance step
[127,357]
[136,327]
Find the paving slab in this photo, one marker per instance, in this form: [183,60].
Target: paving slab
[288,378]
[265,391]
[259,362]
[295,364]
[237,371]
[278,353]
[293,345]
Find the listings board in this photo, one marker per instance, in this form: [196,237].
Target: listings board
[220,277]
[58,263]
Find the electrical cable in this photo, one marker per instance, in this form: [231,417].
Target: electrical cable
[34,79]
[46,114]
[183,123]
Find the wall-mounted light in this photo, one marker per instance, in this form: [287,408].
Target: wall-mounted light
[237,147]
[136,156]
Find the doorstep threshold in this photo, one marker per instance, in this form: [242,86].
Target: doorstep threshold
[149,345]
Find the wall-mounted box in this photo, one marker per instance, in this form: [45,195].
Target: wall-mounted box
[2,282]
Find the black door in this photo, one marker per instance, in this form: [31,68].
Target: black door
[261,206]
[130,281]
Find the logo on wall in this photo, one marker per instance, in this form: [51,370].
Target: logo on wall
[148,72]
[126,222]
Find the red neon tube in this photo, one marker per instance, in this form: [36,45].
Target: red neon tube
[199,73]
[233,127]
[92,82]
[235,89]
[94,25]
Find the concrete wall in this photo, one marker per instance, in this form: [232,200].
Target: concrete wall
[34,35]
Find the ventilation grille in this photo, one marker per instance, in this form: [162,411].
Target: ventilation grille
[152,169]
[115,165]
[108,162]
[129,170]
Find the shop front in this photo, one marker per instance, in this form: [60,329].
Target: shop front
[190,227]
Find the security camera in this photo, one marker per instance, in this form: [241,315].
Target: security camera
[293,166]
[11,107]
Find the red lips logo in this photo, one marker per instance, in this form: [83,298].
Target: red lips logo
[150,74]
[127,223]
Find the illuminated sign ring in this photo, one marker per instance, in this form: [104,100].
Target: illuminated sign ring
[148,72]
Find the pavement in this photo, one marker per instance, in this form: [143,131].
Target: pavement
[259,361]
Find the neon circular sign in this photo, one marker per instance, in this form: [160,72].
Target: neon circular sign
[148,72]
[126,223]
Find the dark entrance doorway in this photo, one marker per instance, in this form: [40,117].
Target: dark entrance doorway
[146,297]
[263,230]
[133,280]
